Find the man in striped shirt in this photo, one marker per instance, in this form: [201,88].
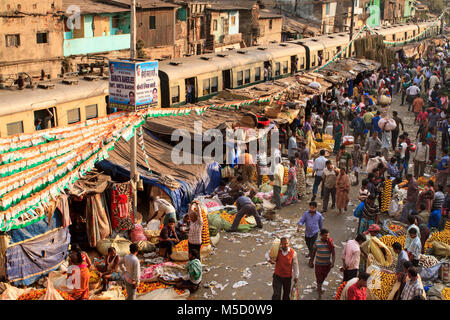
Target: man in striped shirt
[323,251]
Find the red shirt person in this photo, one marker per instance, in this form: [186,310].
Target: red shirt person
[358,290]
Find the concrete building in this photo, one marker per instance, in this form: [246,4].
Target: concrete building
[31,38]
[222,27]
[100,28]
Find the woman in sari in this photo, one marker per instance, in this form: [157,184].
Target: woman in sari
[426,196]
[342,190]
[291,191]
[301,180]
[78,274]
[338,132]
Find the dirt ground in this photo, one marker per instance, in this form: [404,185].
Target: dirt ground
[240,257]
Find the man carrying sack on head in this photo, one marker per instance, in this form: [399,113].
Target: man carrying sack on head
[286,266]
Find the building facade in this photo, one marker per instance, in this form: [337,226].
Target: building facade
[31,39]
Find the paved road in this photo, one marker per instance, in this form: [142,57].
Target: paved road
[236,253]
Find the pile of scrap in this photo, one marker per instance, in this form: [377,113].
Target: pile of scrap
[372,47]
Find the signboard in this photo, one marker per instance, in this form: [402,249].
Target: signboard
[133,85]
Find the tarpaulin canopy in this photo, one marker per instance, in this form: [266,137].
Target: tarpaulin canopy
[194,179]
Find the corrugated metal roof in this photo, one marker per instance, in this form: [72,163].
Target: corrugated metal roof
[14,101]
[91,6]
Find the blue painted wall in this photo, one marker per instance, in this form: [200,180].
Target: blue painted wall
[116,39]
[233,29]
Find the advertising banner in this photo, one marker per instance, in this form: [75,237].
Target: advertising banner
[133,85]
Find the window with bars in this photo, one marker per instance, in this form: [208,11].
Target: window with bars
[152,22]
[257,73]
[240,80]
[12,40]
[277,68]
[214,84]
[247,76]
[73,116]
[285,67]
[214,25]
[206,87]
[14,128]
[42,37]
[175,91]
[91,112]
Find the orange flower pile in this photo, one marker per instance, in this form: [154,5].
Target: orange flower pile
[146,287]
[37,294]
[442,236]
[181,246]
[205,230]
[94,276]
[339,290]
[230,218]
[395,228]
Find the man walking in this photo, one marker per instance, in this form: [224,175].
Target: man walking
[319,166]
[396,131]
[420,158]
[351,257]
[286,266]
[278,183]
[329,185]
[323,252]
[373,145]
[132,271]
[312,219]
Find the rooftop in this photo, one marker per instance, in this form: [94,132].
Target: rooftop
[93,6]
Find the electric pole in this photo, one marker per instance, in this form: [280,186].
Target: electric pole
[133,171]
[351,27]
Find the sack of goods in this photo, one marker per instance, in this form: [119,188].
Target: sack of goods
[381,252]
[348,140]
[387,124]
[384,100]
[273,253]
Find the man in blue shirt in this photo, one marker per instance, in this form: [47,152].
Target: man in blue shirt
[435,219]
[375,120]
[312,219]
[392,168]
[245,206]
[358,125]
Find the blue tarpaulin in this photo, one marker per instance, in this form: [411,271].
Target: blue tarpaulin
[27,261]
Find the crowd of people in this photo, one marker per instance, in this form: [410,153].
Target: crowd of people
[355,109]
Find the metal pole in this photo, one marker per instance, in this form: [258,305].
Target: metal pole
[351,28]
[133,171]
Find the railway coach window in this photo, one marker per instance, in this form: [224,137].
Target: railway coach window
[240,78]
[175,91]
[247,76]
[73,116]
[258,74]
[91,112]
[206,87]
[277,68]
[285,67]
[14,128]
[214,84]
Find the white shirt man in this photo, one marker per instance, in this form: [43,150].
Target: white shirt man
[413,90]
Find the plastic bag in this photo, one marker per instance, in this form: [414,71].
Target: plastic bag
[273,253]
[164,294]
[51,293]
[294,292]
[113,293]
[137,234]
[12,293]
[394,208]
[353,180]
[153,229]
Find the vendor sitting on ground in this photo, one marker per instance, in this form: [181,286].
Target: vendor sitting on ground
[78,277]
[192,280]
[163,209]
[182,227]
[168,238]
[109,269]
[223,193]
[245,206]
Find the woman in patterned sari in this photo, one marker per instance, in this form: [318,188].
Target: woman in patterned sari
[291,191]
[301,180]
